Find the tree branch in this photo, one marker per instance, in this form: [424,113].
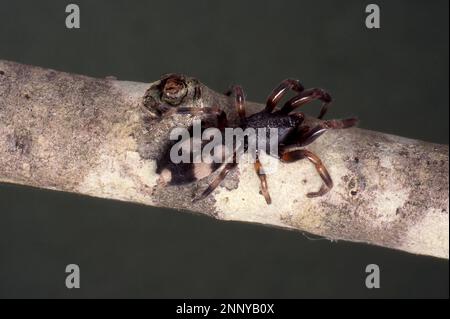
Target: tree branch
[100,137]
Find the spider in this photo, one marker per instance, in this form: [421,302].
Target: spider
[292,137]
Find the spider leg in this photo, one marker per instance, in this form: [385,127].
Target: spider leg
[216,181]
[308,96]
[310,135]
[239,99]
[195,111]
[221,116]
[294,153]
[262,178]
[277,94]
[222,121]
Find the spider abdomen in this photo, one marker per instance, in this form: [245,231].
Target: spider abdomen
[283,126]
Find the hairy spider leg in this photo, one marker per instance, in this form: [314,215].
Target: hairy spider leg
[277,94]
[309,135]
[308,96]
[221,116]
[229,164]
[216,181]
[263,180]
[239,100]
[294,153]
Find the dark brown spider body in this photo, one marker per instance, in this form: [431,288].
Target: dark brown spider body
[286,126]
[292,138]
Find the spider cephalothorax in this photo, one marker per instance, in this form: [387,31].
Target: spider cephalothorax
[292,137]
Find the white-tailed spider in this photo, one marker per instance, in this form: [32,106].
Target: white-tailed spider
[292,137]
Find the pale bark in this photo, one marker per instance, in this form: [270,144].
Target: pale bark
[100,137]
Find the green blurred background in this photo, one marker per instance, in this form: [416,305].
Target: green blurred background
[395,79]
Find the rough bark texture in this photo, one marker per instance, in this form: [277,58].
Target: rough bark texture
[100,137]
